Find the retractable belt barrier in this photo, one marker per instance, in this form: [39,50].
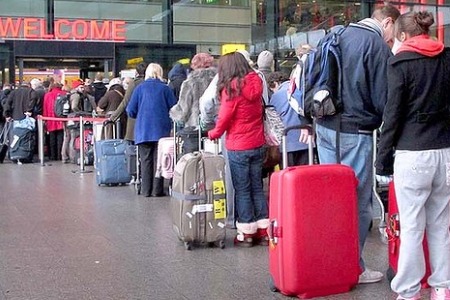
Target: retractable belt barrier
[80,119]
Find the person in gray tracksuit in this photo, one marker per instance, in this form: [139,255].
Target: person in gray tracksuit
[417,126]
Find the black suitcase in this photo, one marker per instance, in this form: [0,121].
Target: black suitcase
[21,147]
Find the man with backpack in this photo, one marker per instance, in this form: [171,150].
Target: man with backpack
[363,93]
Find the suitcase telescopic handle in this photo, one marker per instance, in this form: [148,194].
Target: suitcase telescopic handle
[284,143]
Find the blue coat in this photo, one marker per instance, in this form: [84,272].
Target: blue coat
[289,117]
[149,105]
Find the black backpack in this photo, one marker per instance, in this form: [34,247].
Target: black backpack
[62,105]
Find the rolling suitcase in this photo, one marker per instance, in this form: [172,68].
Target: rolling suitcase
[22,144]
[111,162]
[313,229]
[166,160]
[393,232]
[198,199]
[131,155]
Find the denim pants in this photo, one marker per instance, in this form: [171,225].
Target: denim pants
[357,152]
[422,187]
[246,174]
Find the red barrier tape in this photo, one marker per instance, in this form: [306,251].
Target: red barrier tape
[88,119]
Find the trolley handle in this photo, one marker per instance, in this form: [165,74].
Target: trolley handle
[284,143]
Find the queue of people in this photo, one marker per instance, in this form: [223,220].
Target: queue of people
[406,91]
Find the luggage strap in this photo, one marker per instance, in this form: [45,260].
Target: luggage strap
[181,196]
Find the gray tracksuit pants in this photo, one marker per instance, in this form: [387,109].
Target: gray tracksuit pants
[422,187]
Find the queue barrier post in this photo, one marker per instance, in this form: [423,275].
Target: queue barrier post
[41,140]
[81,145]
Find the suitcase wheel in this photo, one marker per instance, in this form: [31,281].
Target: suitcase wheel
[137,187]
[272,286]
[188,246]
[390,274]
[222,244]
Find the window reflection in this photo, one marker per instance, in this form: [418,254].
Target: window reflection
[215,2]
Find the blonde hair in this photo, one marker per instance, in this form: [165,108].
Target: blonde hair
[154,71]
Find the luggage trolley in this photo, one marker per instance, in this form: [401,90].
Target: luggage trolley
[380,192]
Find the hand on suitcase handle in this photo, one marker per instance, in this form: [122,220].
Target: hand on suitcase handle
[304,135]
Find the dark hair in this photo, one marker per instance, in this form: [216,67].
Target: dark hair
[386,11]
[276,77]
[55,85]
[140,68]
[414,23]
[232,66]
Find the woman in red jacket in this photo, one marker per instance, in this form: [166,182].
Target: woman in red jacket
[54,128]
[240,116]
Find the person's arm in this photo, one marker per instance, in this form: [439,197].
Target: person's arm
[208,105]
[226,113]
[378,66]
[393,119]
[33,101]
[75,102]
[132,107]
[123,104]
[8,106]
[103,102]
[171,100]
[180,112]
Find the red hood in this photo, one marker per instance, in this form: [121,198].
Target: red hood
[422,44]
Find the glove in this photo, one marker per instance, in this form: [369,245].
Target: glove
[383,179]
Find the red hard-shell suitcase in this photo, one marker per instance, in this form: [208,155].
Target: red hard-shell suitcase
[313,230]
[393,231]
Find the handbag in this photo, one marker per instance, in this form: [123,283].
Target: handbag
[273,126]
[272,157]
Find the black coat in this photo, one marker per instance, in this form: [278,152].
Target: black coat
[417,114]
[20,101]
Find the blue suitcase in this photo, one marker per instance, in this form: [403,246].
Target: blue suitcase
[111,163]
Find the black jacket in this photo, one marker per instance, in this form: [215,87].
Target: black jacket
[99,90]
[417,114]
[20,101]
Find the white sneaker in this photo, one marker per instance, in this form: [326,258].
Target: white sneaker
[440,294]
[415,297]
[370,276]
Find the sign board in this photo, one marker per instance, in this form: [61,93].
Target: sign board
[135,61]
[64,29]
[228,48]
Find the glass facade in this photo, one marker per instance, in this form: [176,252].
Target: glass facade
[167,30]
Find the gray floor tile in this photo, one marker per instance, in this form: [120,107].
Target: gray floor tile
[66,238]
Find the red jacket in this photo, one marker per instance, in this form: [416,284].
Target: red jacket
[241,116]
[49,109]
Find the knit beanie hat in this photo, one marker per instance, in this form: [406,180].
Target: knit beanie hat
[246,56]
[202,61]
[265,60]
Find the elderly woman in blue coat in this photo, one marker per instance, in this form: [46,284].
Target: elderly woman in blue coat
[150,105]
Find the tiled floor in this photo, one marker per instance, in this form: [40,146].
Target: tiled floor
[63,237]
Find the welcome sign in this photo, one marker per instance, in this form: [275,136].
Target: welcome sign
[64,29]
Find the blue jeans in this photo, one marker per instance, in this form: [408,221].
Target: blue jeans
[246,173]
[357,152]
